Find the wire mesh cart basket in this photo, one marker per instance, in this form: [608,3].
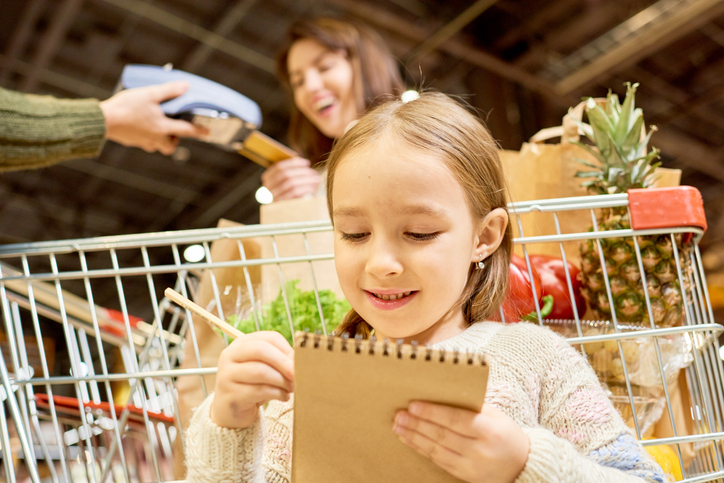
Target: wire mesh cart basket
[99,369]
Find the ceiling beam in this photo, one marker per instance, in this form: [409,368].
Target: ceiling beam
[242,183]
[450,29]
[62,20]
[659,87]
[131,180]
[689,152]
[112,49]
[691,105]
[530,23]
[645,33]
[714,33]
[20,37]
[410,30]
[574,31]
[99,222]
[196,32]
[60,81]
[229,19]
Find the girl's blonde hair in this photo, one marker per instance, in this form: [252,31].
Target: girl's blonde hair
[436,124]
[375,73]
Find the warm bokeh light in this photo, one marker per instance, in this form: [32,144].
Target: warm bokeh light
[264,196]
[194,253]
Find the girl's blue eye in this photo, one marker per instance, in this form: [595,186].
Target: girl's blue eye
[423,236]
[353,236]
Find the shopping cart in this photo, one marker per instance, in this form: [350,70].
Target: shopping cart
[107,408]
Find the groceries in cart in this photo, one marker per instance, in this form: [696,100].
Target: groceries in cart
[309,310]
[549,279]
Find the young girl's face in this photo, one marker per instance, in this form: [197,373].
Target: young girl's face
[404,241]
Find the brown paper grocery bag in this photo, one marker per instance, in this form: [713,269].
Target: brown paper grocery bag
[321,243]
[229,281]
[545,171]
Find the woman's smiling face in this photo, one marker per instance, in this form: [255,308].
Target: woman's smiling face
[404,240]
[322,83]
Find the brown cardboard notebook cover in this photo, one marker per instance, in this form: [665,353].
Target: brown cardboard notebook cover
[345,401]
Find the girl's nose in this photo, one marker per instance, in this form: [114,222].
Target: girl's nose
[383,261]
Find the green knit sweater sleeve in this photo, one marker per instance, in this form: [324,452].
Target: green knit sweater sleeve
[37,131]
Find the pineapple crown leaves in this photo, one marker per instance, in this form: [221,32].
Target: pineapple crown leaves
[615,130]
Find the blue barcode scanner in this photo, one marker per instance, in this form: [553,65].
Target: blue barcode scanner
[229,116]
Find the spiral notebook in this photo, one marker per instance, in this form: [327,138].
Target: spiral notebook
[346,395]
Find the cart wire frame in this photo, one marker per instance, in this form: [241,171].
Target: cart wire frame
[94,435]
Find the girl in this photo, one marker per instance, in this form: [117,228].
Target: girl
[333,70]
[422,247]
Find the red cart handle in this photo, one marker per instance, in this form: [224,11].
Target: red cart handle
[653,208]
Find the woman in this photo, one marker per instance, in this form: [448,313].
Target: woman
[334,70]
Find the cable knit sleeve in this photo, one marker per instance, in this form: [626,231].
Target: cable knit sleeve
[261,453]
[37,131]
[217,454]
[554,459]
[580,435]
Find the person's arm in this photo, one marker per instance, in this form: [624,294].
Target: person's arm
[37,131]
[552,458]
[228,433]
[216,454]
[582,436]
[259,453]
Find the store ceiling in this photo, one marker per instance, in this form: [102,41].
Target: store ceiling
[522,62]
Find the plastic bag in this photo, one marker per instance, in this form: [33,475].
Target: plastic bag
[640,359]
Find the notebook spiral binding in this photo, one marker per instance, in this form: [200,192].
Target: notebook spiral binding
[386,348]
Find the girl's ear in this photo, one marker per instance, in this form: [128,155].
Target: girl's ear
[490,234]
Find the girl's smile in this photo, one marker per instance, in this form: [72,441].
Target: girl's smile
[390,301]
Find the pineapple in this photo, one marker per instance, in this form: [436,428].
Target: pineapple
[615,130]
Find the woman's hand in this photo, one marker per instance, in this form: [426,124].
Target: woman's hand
[253,370]
[475,447]
[291,178]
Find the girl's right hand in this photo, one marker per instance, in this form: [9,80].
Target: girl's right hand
[291,178]
[252,370]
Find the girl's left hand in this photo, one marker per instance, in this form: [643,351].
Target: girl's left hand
[475,447]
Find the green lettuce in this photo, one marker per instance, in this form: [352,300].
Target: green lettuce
[303,309]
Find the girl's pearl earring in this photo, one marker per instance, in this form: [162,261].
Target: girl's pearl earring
[481,264]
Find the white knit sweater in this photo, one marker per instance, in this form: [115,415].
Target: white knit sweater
[536,378]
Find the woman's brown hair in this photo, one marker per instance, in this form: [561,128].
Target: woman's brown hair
[436,124]
[375,73]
